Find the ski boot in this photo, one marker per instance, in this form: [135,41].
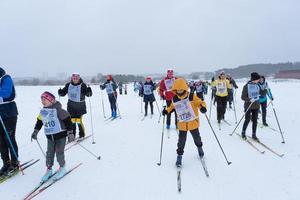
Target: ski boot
[47,175]
[244,135]
[179,161]
[5,168]
[60,173]
[201,152]
[254,137]
[114,114]
[265,124]
[168,126]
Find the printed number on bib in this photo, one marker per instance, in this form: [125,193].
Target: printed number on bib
[50,121]
[184,111]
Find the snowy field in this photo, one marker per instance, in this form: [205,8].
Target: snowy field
[130,150]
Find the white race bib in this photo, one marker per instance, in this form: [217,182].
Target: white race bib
[109,88]
[169,84]
[50,121]
[148,89]
[74,92]
[221,87]
[253,91]
[184,110]
[199,88]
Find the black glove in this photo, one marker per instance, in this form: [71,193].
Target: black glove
[34,135]
[203,110]
[164,112]
[89,92]
[60,92]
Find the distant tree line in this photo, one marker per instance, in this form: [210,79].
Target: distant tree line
[244,71]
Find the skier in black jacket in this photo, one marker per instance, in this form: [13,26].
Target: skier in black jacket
[77,90]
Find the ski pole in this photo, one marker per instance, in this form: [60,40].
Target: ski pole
[91,117]
[234,111]
[37,141]
[98,157]
[158,109]
[11,145]
[162,105]
[162,140]
[228,162]
[102,100]
[277,122]
[241,119]
[141,105]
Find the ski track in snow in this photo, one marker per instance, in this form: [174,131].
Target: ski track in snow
[129,150]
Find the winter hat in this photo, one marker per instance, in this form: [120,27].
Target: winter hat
[75,74]
[148,78]
[50,97]
[170,73]
[2,72]
[255,76]
[109,77]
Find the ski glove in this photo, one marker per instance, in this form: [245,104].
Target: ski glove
[252,100]
[71,137]
[203,110]
[164,112]
[89,92]
[34,135]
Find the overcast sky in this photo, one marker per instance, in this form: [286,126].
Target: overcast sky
[145,36]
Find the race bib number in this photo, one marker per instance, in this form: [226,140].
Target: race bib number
[109,88]
[169,84]
[253,91]
[147,89]
[184,111]
[74,92]
[50,121]
[221,88]
[199,88]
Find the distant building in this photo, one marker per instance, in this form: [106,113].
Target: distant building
[290,74]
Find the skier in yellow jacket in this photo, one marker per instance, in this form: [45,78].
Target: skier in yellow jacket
[222,86]
[186,105]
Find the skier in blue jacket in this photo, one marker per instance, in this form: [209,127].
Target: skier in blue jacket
[263,99]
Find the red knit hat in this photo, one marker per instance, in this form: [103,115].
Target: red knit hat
[50,97]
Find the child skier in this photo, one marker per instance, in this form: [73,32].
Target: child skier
[147,93]
[111,90]
[263,100]
[77,90]
[250,94]
[186,105]
[165,92]
[57,126]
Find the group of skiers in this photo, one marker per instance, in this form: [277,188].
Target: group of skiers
[179,96]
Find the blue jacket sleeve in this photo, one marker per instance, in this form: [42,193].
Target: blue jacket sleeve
[7,87]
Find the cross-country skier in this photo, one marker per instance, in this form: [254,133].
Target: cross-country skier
[250,94]
[77,90]
[186,105]
[222,85]
[266,92]
[111,90]
[8,113]
[165,92]
[231,90]
[57,126]
[200,89]
[147,93]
